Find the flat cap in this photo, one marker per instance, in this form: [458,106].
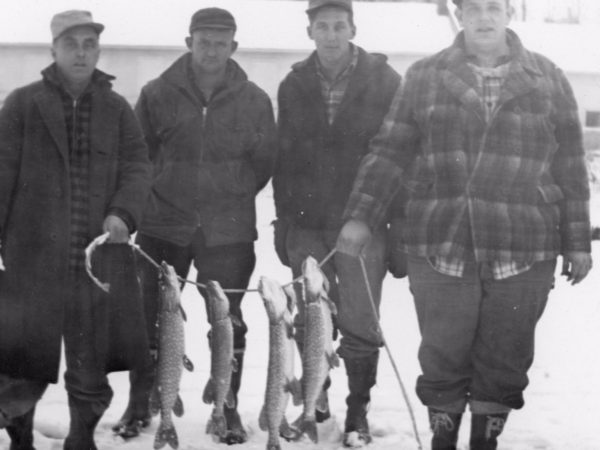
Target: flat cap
[73,18]
[316,4]
[212,18]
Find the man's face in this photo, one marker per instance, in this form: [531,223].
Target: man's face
[484,23]
[332,32]
[211,48]
[76,54]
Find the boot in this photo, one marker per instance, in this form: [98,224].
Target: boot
[485,429]
[137,414]
[20,430]
[236,434]
[83,424]
[362,374]
[444,426]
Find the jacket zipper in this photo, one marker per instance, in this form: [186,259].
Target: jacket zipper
[74,125]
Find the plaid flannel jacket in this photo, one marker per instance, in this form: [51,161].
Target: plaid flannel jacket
[512,189]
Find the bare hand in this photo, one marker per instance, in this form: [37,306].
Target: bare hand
[353,237]
[576,266]
[117,230]
[2,264]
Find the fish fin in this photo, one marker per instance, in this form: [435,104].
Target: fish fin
[178,407]
[308,427]
[333,360]
[166,436]
[154,403]
[234,365]
[230,399]
[217,425]
[183,314]
[262,419]
[331,304]
[290,293]
[188,364]
[322,403]
[235,321]
[294,387]
[208,396]
[286,431]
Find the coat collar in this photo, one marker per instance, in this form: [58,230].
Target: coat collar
[523,75]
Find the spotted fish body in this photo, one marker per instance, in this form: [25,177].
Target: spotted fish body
[318,356]
[218,388]
[171,357]
[280,375]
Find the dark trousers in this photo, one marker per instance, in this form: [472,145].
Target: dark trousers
[230,265]
[477,333]
[85,378]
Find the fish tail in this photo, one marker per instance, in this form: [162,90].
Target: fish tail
[217,425]
[308,427]
[166,434]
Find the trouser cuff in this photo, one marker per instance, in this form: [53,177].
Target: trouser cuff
[480,407]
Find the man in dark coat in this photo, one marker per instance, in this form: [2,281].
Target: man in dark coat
[211,134]
[490,133]
[330,105]
[73,164]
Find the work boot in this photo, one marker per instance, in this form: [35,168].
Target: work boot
[20,430]
[236,434]
[84,419]
[485,429]
[444,426]
[362,374]
[137,414]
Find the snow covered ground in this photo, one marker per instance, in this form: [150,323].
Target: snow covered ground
[562,409]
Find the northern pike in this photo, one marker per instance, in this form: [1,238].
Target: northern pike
[318,355]
[171,358]
[280,375]
[218,389]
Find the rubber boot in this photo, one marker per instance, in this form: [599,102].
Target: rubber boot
[83,424]
[20,430]
[485,429]
[362,374]
[137,414]
[236,434]
[444,426]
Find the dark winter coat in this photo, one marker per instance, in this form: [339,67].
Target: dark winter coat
[35,210]
[514,188]
[317,162]
[210,160]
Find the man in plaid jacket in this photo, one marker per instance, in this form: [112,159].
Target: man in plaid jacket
[499,192]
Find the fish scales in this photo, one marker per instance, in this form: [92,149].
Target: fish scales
[171,353]
[318,356]
[280,373]
[218,388]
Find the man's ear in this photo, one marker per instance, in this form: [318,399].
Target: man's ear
[53,53]
[353,29]
[309,32]
[234,46]
[188,42]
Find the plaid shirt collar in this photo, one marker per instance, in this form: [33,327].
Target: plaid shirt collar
[333,91]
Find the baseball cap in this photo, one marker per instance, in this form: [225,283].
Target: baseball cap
[66,20]
[212,18]
[316,4]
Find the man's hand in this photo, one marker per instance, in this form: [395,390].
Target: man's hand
[576,266]
[117,230]
[353,237]
[2,264]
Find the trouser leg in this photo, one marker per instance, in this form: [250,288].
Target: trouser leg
[86,382]
[141,380]
[231,266]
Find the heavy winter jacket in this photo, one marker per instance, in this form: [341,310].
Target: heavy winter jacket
[514,188]
[35,209]
[317,162]
[210,160]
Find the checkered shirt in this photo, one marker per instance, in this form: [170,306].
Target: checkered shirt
[333,92]
[77,119]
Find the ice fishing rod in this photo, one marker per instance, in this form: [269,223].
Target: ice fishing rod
[387,349]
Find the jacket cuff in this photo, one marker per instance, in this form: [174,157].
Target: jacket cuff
[365,208]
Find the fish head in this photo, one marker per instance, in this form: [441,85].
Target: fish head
[218,303]
[315,283]
[170,293]
[274,299]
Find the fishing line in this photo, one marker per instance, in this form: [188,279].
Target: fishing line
[402,388]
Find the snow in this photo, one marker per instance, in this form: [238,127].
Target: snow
[562,410]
